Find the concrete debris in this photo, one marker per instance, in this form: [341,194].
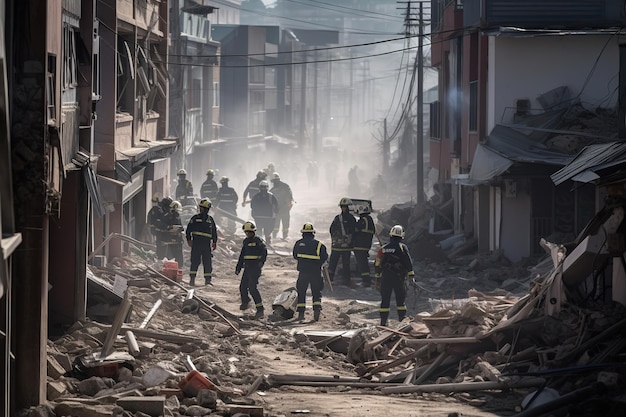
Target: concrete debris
[193,357]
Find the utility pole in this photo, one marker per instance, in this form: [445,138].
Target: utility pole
[420,107]
[315,139]
[386,149]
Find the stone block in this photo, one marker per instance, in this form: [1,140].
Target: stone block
[152,406]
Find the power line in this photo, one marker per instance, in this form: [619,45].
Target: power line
[301,21]
[352,10]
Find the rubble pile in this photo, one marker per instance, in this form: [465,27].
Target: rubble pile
[165,352]
[157,348]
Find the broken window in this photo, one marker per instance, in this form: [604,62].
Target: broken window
[70,69]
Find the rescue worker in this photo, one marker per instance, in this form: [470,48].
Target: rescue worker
[269,171]
[264,207]
[227,200]
[393,264]
[253,187]
[283,194]
[174,237]
[341,233]
[209,186]
[153,215]
[160,228]
[363,236]
[201,236]
[184,189]
[251,259]
[311,255]
[354,185]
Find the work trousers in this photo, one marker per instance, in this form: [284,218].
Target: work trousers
[201,253]
[283,217]
[344,254]
[392,284]
[264,227]
[248,284]
[314,279]
[363,266]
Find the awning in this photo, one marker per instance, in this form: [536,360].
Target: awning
[504,147]
[486,165]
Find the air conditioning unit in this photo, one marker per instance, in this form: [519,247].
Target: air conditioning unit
[522,107]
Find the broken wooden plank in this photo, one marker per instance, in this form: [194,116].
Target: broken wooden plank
[399,361]
[441,341]
[120,316]
[255,385]
[465,386]
[290,378]
[162,335]
[386,335]
[151,314]
[156,334]
[431,368]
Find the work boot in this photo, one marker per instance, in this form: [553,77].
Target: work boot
[260,312]
[192,282]
[300,315]
[316,315]
[244,306]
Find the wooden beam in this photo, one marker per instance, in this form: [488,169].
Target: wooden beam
[465,386]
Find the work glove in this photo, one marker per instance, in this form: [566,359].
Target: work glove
[213,246]
[237,271]
[190,243]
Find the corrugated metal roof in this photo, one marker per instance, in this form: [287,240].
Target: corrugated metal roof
[517,147]
[591,158]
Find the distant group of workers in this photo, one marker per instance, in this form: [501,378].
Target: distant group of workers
[270,208]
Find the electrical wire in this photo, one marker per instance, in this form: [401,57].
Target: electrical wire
[298,20]
[357,12]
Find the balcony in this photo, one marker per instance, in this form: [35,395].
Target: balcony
[544,14]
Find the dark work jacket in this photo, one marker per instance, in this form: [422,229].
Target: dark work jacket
[364,233]
[310,253]
[202,229]
[340,241]
[227,199]
[173,228]
[393,260]
[253,253]
[264,205]
[209,190]
[184,189]
[252,189]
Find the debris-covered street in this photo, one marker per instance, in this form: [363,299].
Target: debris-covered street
[476,344]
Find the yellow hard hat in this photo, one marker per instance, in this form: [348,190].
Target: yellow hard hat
[307,228]
[345,202]
[248,227]
[205,202]
[182,172]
